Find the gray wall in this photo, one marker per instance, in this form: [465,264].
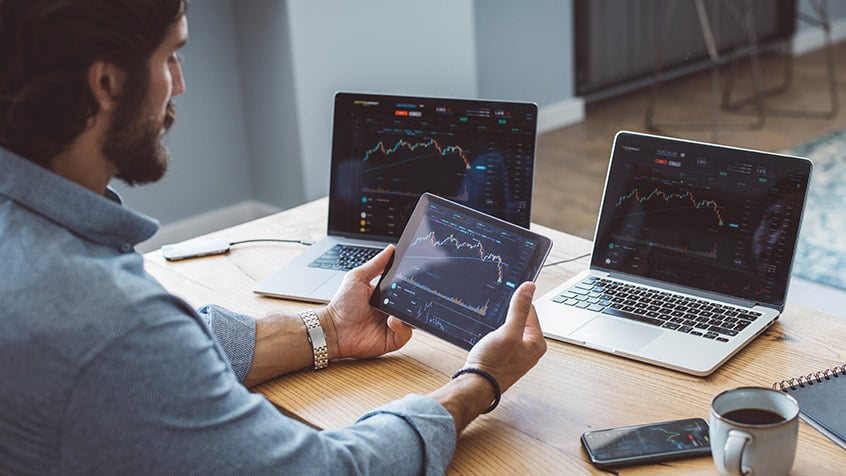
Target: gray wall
[267,81]
[390,46]
[836,11]
[525,53]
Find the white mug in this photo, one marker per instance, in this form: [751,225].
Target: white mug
[753,431]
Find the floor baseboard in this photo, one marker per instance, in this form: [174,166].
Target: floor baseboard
[810,39]
[560,114]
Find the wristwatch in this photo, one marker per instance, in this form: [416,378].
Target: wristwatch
[317,338]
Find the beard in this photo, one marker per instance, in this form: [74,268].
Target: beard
[136,146]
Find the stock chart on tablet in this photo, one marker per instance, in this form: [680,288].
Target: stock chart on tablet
[456,273]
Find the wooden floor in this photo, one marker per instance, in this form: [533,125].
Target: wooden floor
[572,161]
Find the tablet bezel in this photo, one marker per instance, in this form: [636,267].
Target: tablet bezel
[421,213]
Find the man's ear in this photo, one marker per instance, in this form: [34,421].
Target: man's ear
[106,83]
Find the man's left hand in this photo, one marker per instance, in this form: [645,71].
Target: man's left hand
[357,329]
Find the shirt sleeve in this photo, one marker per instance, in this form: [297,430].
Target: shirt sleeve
[429,420]
[236,334]
[164,400]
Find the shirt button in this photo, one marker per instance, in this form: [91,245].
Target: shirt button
[126,247]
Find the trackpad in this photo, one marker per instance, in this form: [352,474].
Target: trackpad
[616,334]
[326,291]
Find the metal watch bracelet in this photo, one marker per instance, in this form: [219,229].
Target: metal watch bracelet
[317,338]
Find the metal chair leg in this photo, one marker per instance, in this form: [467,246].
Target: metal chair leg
[746,19]
[821,19]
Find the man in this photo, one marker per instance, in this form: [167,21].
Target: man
[103,370]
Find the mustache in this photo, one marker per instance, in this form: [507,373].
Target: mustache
[170,115]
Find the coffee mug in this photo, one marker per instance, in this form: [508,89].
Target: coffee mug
[753,431]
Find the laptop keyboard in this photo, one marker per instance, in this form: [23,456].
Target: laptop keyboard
[344,257]
[680,313]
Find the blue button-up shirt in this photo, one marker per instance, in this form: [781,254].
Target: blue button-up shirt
[103,371]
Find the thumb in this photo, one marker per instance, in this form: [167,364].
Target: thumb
[376,265]
[519,308]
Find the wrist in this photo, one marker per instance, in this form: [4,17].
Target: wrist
[324,315]
[316,338]
[497,391]
[465,397]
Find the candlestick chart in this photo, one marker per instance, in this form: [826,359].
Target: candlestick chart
[434,259]
[681,200]
[725,226]
[459,278]
[401,164]
[480,168]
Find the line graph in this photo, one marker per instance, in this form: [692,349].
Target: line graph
[414,146]
[686,195]
[458,244]
[459,266]
[670,435]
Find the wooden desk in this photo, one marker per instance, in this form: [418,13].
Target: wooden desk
[536,429]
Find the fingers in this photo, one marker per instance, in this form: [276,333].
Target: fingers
[375,266]
[401,329]
[520,309]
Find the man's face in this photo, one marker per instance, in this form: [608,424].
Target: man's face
[135,140]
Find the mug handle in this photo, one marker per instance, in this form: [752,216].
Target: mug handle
[733,456]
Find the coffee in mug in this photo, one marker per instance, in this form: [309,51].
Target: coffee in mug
[754,416]
[754,431]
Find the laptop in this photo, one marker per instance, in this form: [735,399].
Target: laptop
[691,256]
[389,150]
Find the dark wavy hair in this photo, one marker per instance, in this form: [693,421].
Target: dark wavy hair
[46,48]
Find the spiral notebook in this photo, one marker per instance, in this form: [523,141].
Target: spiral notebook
[820,396]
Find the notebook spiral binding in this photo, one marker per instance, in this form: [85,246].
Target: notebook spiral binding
[810,379]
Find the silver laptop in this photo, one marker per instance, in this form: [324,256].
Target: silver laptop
[691,257]
[387,151]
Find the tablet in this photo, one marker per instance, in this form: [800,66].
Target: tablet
[454,270]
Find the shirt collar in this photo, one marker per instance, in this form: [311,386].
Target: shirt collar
[98,218]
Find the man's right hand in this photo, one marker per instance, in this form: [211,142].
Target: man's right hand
[510,351]
[506,353]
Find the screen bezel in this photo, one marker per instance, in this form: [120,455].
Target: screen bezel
[529,273]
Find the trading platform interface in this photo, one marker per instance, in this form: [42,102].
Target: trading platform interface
[456,273]
[720,219]
[388,150]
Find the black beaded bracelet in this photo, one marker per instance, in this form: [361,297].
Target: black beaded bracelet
[490,378]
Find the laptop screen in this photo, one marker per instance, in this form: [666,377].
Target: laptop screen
[389,150]
[708,217]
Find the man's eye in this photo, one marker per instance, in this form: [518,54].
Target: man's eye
[175,59]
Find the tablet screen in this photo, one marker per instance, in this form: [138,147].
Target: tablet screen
[454,270]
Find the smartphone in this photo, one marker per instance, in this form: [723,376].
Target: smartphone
[650,443]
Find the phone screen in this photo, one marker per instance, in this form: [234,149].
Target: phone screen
[648,443]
